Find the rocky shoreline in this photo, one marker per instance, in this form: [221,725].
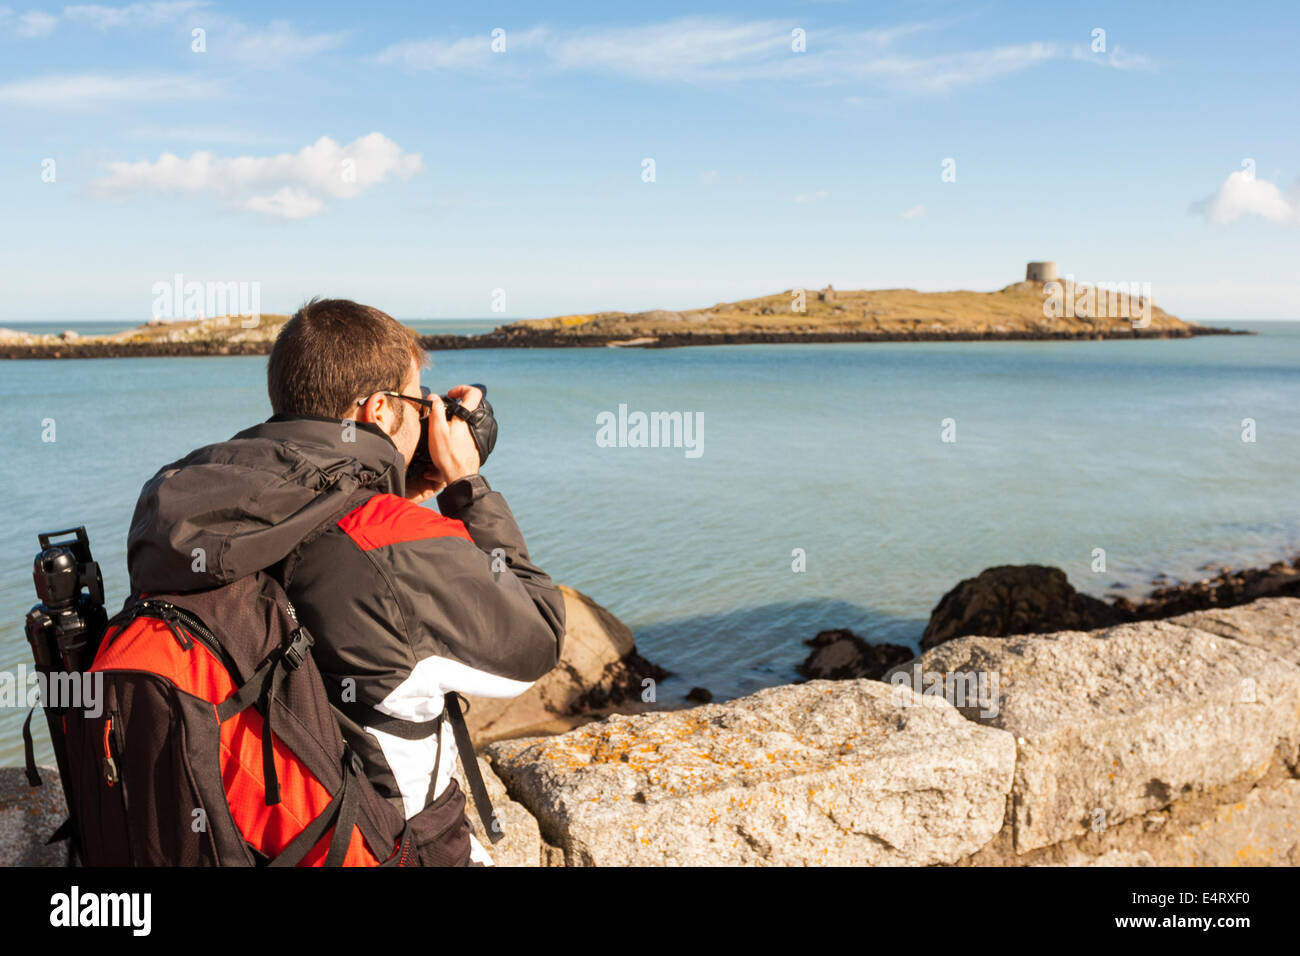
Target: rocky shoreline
[1226,589]
[1022,599]
[94,350]
[1172,742]
[1158,740]
[1019,312]
[542,339]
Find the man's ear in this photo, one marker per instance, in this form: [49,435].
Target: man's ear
[369,412]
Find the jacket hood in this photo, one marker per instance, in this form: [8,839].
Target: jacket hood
[239,506]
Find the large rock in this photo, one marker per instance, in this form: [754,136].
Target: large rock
[599,667]
[1260,830]
[28,815]
[1271,624]
[1123,721]
[521,842]
[1254,828]
[840,654]
[839,773]
[1015,599]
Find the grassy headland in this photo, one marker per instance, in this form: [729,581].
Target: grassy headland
[878,315]
[1014,312]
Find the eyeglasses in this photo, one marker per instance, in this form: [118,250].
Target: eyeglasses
[426,406]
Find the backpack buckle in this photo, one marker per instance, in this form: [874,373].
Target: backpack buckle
[352,760]
[300,643]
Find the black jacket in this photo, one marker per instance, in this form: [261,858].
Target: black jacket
[405,604]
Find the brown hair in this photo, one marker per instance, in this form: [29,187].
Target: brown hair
[333,352]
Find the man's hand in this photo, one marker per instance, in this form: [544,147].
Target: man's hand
[421,489]
[451,446]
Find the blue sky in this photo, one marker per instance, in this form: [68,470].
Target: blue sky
[386,153]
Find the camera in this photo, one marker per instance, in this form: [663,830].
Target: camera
[482,426]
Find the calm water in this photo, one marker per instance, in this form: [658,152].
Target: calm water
[1061,448]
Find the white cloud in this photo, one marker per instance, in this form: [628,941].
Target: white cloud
[79,91]
[1117,58]
[287,203]
[947,70]
[295,180]
[690,48]
[1121,59]
[33,23]
[709,178]
[437,54]
[466,53]
[274,45]
[1243,194]
[916,212]
[133,15]
[711,49]
[815,196]
[698,49]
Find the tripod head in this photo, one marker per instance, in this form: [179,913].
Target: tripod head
[65,628]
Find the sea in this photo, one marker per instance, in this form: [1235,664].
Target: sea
[819,486]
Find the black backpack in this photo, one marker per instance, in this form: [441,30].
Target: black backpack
[214,743]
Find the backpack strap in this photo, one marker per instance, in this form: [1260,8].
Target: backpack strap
[366,716]
[363,715]
[341,814]
[65,830]
[437,759]
[469,760]
[261,689]
[29,752]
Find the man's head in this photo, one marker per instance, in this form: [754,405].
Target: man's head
[334,353]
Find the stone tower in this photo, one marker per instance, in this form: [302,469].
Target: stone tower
[1040,272]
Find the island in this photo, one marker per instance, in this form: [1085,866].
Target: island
[1042,306]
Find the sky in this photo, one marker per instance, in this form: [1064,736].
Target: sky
[510,160]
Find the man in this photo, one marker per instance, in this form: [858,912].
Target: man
[408,607]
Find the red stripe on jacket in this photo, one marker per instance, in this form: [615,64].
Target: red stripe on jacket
[148,645]
[390,519]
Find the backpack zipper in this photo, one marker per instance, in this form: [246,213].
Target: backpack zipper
[110,765]
[115,742]
[173,615]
